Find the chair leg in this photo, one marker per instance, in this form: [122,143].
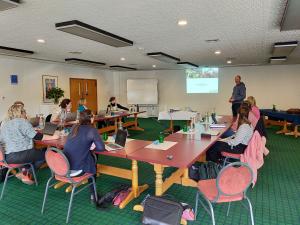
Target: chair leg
[4,184]
[251,211]
[228,209]
[46,194]
[95,190]
[34,174]
[70,204]
[211,212]
[225,161]
[196,204]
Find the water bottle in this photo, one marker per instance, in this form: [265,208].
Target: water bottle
[41,122]
[161,137]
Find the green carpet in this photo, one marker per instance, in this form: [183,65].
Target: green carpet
[275,198]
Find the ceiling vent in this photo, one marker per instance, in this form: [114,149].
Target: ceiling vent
[163,57]
[84,62]
[8,4]
[14,51]
[291,16]
[187,65]
[278,60]
[284,48]
[122,68]
[84,30]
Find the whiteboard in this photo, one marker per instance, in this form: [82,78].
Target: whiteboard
[142,91]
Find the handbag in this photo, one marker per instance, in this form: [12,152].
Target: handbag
[161,211]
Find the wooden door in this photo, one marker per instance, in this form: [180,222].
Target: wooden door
[84,88]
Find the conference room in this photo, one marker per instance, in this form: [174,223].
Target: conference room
[149,112]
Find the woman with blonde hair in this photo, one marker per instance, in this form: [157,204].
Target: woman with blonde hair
[17,135]
[235,144]
[254,108]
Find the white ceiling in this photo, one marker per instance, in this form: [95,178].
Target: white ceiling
[247,30]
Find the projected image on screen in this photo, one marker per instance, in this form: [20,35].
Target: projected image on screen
[204,80]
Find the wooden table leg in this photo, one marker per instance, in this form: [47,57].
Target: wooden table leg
[171,128]
[295,133]
[134,123]
[159,169]
[186,181]
[284,129]
[116,125]
[136,190]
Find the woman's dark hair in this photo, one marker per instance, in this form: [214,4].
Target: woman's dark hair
[243,115]
[64,103]
[84,119]
[112,99]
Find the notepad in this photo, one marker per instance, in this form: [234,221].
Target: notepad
[162,146]
[221,125]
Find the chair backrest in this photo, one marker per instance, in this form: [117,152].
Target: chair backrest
[57,162]
[234,179]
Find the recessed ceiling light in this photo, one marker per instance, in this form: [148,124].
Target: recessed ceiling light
[212,40]
[229,61]
[154,66]
[75,53]
[41,41]
[141,48]
[182,22]
[122,59]
[218,52]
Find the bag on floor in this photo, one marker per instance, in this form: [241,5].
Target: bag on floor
[106,200]
[161,211]
[121,196]
[204,171]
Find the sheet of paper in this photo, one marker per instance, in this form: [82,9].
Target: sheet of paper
[162,146]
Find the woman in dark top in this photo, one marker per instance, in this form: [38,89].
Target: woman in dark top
[78,145]
[113,105]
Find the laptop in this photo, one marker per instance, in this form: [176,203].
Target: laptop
[71,117]
[49,129]
[120,141]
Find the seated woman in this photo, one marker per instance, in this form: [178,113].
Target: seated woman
[254,108]
[82,105]
[17,135]
[78,145]
[235,144]
[65,108]
[114,106]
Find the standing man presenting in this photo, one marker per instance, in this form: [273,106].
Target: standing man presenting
[238,95]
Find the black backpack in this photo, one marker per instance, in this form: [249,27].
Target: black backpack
[204,171]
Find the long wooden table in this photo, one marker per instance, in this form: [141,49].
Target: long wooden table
[118,118]
[130,174]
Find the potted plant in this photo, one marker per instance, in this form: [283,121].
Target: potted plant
[55,93]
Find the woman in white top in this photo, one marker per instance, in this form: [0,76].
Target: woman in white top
[236,143]
[65,108]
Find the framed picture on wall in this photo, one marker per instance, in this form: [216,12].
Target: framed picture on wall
[49,82]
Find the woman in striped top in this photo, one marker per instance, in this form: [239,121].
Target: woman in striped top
[236,143]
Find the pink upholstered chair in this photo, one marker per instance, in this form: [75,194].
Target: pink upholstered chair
[231,185]
[10,167]
[60,168]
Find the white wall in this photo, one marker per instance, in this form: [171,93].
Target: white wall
[29,89]
[269,84]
